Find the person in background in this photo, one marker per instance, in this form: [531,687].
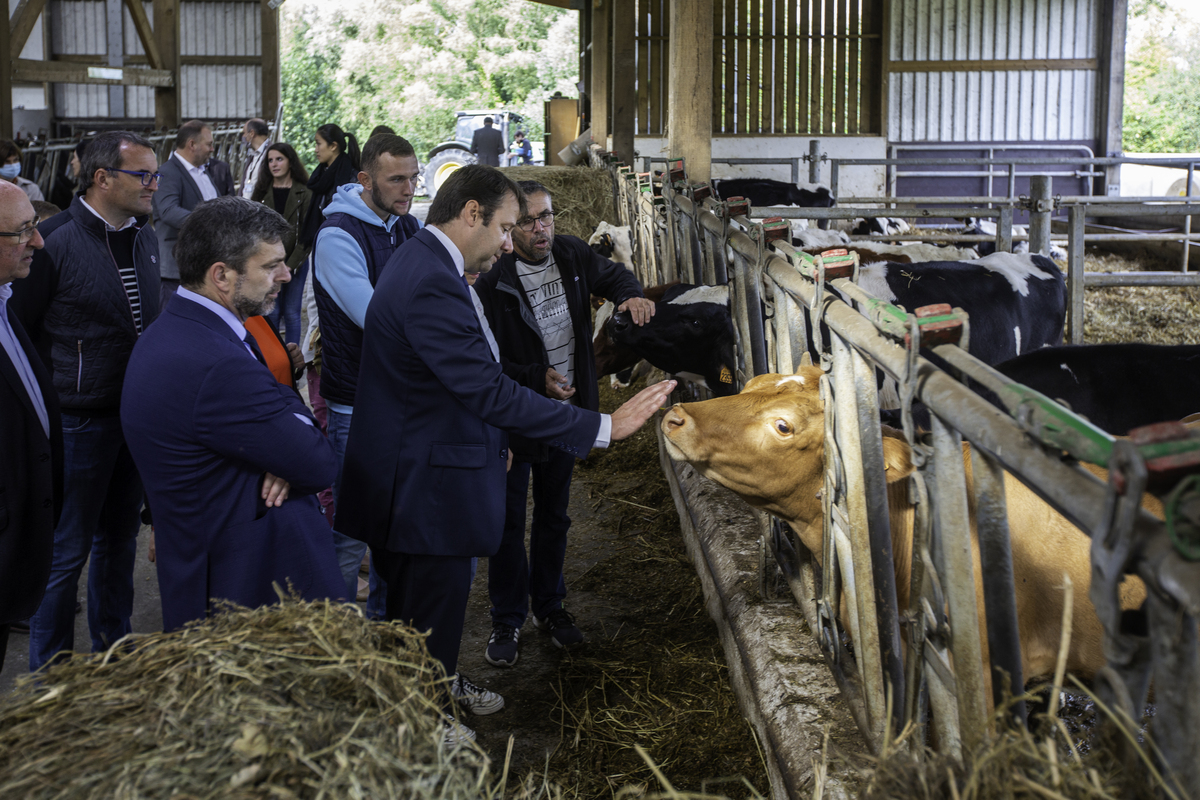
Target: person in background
[378,129]
[185,184]
[222,176]
[364,225]
[10,170]
[257,135]
[92,292]
[487,144]
[30,433]
[281,185]
[45,210]
[520,151]
[338,160]
[65,183]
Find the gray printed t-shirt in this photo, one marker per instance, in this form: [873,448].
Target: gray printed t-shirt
[544,287]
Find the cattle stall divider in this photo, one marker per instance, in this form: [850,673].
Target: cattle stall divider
[924,662]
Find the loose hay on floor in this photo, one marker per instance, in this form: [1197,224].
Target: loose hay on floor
[297,700]
[583,197]
[1147,314]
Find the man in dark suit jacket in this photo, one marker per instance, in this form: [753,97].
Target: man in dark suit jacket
[185,183]
[232,459]
[423,480]
[30,433]
[487,144]
[221,176]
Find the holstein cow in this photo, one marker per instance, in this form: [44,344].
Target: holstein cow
[765,192]
[983,227]
[613,242]
[1118,387]
[767,445]
[690,335]
[915,253]
[613,359]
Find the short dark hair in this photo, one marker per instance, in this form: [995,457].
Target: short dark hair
[533,187]
[104,152]
[258,127]
[45,210]
[388,143]
[188,131]
[488,120]
[8,149]
[227,229]
[378,129]
[487,186]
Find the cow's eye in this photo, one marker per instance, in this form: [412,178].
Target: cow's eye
[783,427]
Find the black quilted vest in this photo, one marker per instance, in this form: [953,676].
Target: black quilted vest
[341,339]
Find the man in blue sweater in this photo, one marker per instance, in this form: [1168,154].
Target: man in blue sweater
[364,224]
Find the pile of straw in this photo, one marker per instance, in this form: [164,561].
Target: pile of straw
[296,700]
[1149,314]
[583,197]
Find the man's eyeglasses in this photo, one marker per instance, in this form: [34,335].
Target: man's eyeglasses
[146,177]
[25,234]
[546,218]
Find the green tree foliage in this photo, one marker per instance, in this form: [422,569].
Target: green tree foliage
[310,94]
[411,64]
[1162,80]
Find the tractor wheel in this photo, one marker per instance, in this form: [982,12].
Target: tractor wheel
[441,166]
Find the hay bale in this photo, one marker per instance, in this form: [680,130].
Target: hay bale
[583,196]
[291,701]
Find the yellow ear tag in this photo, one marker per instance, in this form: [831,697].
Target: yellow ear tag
[726,375]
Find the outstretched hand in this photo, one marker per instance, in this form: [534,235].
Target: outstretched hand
[634,412]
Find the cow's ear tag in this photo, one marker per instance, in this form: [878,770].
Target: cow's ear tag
[726,375]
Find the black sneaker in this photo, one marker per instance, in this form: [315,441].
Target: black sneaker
[561,626]
[502,645]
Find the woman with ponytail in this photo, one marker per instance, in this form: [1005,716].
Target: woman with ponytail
[338,164]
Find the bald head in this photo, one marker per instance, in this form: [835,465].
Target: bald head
[16,214]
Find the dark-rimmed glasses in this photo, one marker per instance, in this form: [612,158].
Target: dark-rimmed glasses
[546,218]
[25,234]
[146,177]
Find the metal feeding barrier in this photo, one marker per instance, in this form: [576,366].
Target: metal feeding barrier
[922,664]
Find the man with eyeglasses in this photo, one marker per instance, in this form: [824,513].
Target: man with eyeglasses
[92,291]
[30,432]
[537,304]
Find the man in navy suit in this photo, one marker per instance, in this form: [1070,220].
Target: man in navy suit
[424,475]
[31,470]
[231,457]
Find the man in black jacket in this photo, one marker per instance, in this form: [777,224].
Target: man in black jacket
[91,292]
[30,432]
[537,304]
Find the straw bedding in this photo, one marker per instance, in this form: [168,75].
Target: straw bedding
[583,197]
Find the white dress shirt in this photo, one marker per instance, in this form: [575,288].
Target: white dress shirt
[604,435]
[200,176]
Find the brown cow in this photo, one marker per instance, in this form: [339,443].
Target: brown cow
[767,445]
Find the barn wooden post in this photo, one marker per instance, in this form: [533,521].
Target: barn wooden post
[601,22]
[270,62]
[690,98]
[166,34]
[623,85]
[6,57]
[1113,17]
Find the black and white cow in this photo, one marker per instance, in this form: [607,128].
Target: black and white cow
[1117,386]
[986,227]
[765,192]
[690,335]
[891,226]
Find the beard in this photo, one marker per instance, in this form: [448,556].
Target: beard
[247,306]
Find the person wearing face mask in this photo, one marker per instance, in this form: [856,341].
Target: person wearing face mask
[10,170]
[338,161]
[423,479]
[257,135]
[281,185]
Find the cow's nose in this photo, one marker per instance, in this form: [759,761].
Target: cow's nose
[620,321]
[674,419]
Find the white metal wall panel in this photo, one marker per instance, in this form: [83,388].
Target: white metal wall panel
[220,29]
[1018,105]
[133,43]
[220,92]
[80,29]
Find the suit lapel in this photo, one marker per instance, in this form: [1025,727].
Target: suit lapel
[187,180]
[9,370]
[188,309]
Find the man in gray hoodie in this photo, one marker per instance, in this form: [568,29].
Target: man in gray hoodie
[364,224]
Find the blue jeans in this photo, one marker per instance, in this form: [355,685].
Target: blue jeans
[102,495]
[291,297]
[513,579]
[350,551]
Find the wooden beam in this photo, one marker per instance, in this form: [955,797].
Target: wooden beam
[601,56]
[6,109]
[690,99]
[270,61]
[141,24]
[624,92]
[30,71]
[166,35]
[21,25]
[1111,106]
[994,65]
